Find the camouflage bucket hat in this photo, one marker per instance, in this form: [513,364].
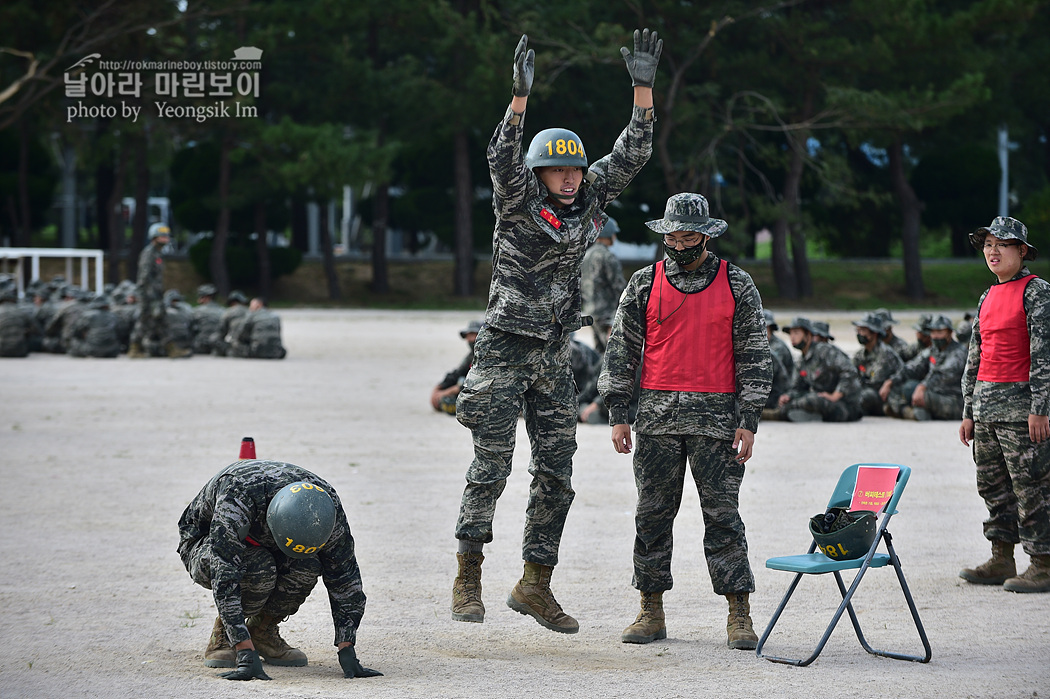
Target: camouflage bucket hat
[940,322]
[610,228]
[206,290]
[924,323]
[473,326]
[1004,228]
[822,329]
[770,322]
[688,212]
[872,322]
[803,323]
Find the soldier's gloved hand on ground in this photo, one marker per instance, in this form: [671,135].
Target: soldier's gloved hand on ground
[642,65]
[524,68]
[249,667]
[352,667]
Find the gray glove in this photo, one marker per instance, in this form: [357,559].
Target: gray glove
[352,667]
[642,65]
[524,68]
[249,667]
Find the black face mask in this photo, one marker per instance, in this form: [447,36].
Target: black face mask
[799,345]
[686,256]
[941,342]
[863,340]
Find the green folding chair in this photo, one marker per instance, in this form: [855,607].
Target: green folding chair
[816,563]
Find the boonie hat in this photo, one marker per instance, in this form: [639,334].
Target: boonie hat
[800,322]
[1004,228]
[473,326]
[688,212]
[872,322]
[822,329]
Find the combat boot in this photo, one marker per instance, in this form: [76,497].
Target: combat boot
[135,351]
[176,352]
[219,652]
[996,570]
[1035,579]
[267,640]
[649,626]
[466,590]
[532,595]
[738,627]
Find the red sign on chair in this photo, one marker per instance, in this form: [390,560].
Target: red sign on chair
[874,488]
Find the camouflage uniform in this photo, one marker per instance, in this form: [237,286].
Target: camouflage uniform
[601,285]
[874,367]
[259,336]
[15,327]
[180,323]
[675,426]
[247,579]
[783,364]
[151,323]
[207,318]
[826,369]
[586,365]
[1013,473]
[940,370]
[222,340]
[522,357]
[94,332]
[57,331]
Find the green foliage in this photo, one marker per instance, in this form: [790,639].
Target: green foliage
[242,263]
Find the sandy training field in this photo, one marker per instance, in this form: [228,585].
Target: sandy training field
[100,457]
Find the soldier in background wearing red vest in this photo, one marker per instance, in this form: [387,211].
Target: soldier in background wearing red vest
[707,371]
[1006,392]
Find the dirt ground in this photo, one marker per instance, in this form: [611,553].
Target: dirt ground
[101,456]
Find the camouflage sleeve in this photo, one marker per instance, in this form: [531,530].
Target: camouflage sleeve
[849,377]
[624,351]
[915,368]
[342,579]
[887,366]
[629,155]
[754,364]
[1037,308]
[973,363]
[946,374]
[233,513]
[510,177]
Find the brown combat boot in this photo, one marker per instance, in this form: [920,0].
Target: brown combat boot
[272,648]
[135,351]
[738,627]
[219,652]
[996,570]
[532,595]
[466,590]
[649,626]
[1035,579]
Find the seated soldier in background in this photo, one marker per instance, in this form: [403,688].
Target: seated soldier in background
[443,397]
[783,368]
[930,385]
[236,309]
[826,386]
[95,332]
[207,317]
[180,325]
[875,361]
[899,344]
[259,334]
[922,338]
[15,326]
[822,331]
[586,365]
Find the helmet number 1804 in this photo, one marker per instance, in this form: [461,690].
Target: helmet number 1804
[562,146]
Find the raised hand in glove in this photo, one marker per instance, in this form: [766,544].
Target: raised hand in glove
[524,67]
[249,667]
[642,65]
[352,666]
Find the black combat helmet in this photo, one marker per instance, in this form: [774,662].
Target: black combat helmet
[843,535]
[556,147]
[301,517]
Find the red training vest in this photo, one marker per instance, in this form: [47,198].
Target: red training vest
[1006,351]
[689,337]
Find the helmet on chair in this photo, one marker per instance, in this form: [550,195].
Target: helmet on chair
[301,517]
[843,535]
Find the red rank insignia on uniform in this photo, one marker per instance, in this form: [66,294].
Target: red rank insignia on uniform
[862,368]
[802,373]
[550,218]
[933,360]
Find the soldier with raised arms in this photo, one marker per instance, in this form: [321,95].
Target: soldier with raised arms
[549,203]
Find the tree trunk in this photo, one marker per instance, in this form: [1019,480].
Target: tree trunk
[104,183]
[911,214]
[300,225]
[328,256]
[217,263]
[262,251]
[380,217]
[115,216]
[140,220]
[23,226]
[463,284]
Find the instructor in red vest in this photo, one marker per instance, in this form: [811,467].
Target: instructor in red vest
[697,323]
[1006,394]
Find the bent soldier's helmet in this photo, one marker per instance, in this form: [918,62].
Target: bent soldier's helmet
[159,229]
[843,535]
[301,518]
[556,147]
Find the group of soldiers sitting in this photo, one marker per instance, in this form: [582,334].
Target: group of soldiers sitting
[921,380]
[62,318]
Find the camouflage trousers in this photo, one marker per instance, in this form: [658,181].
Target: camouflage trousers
[842,410]
[941,406]
[659,475]
[151,326]
[870,401]
[511,374]
[1013,477]
[272,585]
